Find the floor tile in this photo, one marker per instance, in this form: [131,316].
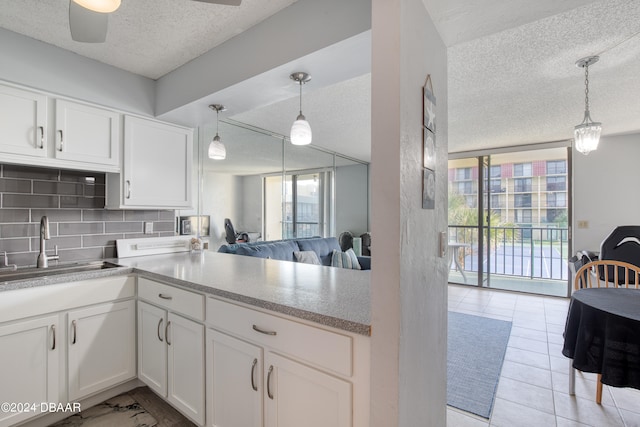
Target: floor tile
[554,338]
[631,419]
[510,414]
[531,334]
[586,411]
[528,344]
[525,373]
[457,418]
[535,397]
[526,357]
[626,398]
[563,422]
[585,386]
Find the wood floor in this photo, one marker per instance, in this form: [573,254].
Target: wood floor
[161,410]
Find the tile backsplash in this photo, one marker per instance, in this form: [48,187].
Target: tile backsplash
[73,201]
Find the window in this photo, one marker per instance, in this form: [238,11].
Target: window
[556,183]
[522,201]
[495,186]
[495,171]
[523,216]
[522,169]
[495,201]
[522,185]
[557,200]
[465,187]
[463,174]
[556,167]
[553,214]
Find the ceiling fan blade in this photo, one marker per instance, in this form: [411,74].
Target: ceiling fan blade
[223,2]
[86,25]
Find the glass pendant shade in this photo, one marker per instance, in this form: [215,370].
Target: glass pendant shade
[102,6]
[301,131]
[217,150]
[587,136]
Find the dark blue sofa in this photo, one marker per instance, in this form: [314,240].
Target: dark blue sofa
[283,249]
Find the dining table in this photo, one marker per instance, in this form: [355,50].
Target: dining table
[602,335]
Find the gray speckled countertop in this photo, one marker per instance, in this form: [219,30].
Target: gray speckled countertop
[330,296]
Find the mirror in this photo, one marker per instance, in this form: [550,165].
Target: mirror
[271,189]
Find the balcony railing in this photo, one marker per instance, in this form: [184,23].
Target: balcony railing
[533,252]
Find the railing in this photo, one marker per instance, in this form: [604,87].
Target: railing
[535,252]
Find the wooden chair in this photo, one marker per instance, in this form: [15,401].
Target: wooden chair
[604,274]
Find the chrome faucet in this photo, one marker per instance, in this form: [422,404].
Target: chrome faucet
[43,259]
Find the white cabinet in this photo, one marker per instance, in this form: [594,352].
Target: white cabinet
[265,370]
[101,347]
[171,357]
[87,134]
[81,136]
[23,122]
[156,173]
[234,382]
[29,357]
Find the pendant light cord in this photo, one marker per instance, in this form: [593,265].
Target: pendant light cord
[300,95]
[586,91]
[217,120]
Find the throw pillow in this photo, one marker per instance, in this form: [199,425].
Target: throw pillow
[307,257]
[346,259]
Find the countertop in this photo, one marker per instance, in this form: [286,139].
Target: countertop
[329,296]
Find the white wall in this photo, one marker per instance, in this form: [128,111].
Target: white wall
[251,218]
[39,65]
[409,289]
[352,199]
[605,189]
[221,198]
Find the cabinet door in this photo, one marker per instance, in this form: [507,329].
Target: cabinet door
[157,164]
[297,395]
[185,342]
[101,350]
[87,134]
[29,354]
[152,350]
[234,382]
[23,119]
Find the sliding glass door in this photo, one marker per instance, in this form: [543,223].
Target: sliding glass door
[516,235]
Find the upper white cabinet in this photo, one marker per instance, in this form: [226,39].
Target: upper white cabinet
[23,122]
[156,171]
[87,134]
[40,131]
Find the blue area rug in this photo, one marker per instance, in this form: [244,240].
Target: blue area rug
[475,352]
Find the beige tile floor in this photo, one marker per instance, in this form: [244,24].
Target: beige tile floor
[533,388]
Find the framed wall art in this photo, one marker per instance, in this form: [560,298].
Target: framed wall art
[428,189]
[429,105]
[429,149]
[428,145]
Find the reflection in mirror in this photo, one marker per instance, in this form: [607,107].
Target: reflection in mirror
[273,190]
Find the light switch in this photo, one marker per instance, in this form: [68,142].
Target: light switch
[583,224]
[148,227]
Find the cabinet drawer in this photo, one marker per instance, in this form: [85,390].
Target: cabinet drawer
[172,298]
[28,302]
[320,347]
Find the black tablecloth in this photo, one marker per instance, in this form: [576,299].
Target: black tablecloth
[602,334]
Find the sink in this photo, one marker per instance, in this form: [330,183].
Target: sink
[54,270]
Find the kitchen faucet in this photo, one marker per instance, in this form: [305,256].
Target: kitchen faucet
[43,259]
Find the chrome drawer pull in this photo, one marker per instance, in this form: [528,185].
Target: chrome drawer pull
[159,327]
[166,332]
[53,330]
[61,142]
[262,331]
[74,325]
[163,296]
[269,383]
[253,374]
[41,128]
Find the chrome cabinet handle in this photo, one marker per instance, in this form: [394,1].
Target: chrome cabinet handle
[41,128]
[74,325]
[128,189]
[53,331]
[253,374]
[262,331]
[166,332]
[269,383]
[159,327]
[163,296]
[61,140]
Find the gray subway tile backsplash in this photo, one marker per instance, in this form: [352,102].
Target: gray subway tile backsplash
[73,201]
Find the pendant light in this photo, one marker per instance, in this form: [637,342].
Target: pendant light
[300,130]
[587,134]
[102,6]
[217,151]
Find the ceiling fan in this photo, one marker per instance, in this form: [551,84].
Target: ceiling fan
[88,19]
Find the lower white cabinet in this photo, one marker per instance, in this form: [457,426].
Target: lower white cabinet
[171,359]
[101,347]
[29,357]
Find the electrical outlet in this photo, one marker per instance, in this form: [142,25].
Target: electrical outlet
[148,227]
[583,224]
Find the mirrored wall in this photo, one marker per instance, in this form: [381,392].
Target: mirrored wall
[273,190]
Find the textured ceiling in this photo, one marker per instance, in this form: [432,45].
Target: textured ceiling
[146,37]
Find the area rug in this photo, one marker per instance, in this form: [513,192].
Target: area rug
[120,411]
[475,352]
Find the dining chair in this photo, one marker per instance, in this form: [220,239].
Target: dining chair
[604,274]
